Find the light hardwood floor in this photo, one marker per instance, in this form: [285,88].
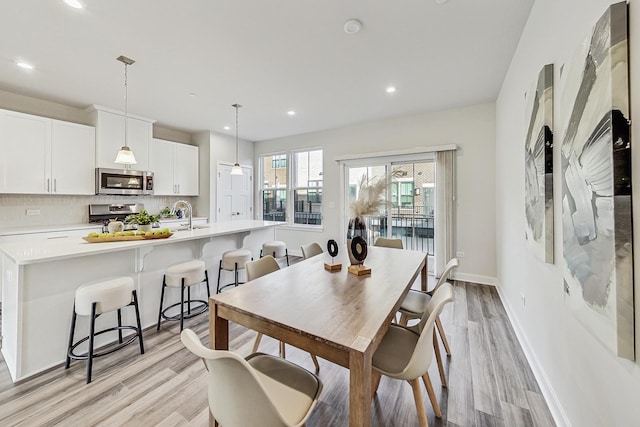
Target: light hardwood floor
[490,381]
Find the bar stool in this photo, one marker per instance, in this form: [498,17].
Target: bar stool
[183,276]
[93,299]
[233,261]
[276,249]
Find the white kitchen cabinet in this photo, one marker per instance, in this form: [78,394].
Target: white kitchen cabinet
[175,168]
[45,156]
[110,138]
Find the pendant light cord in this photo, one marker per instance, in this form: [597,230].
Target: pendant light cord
[237,150]
[126,142]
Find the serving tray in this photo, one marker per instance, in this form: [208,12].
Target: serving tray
[125,238]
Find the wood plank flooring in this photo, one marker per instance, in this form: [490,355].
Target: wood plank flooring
[490,381]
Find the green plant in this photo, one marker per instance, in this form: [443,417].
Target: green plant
[166,213]
[141,218]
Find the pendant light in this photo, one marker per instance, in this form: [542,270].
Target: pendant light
[125,155]
[236,169]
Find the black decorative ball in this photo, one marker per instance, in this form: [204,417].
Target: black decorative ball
[359,248]
[332,247]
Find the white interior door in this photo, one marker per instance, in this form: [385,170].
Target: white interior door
[235,193]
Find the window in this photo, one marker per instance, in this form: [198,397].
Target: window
[307,187]
[402,194]
[279,161]
[274,187]
[302,194]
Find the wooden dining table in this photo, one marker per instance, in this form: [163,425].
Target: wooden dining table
[338,316]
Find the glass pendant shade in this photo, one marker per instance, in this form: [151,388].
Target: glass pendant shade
[236,169]
[125,157]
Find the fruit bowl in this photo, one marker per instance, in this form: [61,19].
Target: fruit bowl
[125,236]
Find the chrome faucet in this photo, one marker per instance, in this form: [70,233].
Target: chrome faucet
[183,204]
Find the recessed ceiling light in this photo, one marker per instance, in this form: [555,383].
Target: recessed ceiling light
[441,1]
[352,26]
[226,128]
[24,65]
[391,89]
[291,113]
[191,94]
[76,4]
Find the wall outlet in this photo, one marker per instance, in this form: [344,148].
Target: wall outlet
[524,300]
[459,254]
[31,212]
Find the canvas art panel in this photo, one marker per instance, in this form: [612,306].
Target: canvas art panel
[539,166]
[596,184]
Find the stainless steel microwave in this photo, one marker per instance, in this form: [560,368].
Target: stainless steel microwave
[123,182]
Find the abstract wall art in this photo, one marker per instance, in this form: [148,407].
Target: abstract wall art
[595,157]
[539,166]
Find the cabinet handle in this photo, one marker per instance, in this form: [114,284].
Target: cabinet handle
[55,185]
[48,186]
[178,185]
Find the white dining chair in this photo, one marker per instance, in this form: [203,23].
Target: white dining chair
[389,243]
[311,250]
[259,390]
[415,305]
[405,353]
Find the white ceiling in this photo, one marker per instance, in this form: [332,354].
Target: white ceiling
[269,55]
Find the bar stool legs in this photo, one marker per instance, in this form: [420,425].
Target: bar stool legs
[184,276]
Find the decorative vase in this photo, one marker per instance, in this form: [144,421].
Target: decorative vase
[357,227]
[115,226]
[145,227]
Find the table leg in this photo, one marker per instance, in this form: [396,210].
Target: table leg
[423,276]
[218,338]
[359,388]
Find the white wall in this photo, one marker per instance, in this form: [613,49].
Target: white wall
[590,384]
[472,129]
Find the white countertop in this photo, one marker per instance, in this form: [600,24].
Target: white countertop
[47,229]
[30,251]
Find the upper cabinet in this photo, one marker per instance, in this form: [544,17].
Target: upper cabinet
[175,168]
[110,138]
[45,156]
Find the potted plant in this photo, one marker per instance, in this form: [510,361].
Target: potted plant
[143,219]
[166,213]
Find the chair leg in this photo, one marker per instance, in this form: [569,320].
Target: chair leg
[206,280]
[286,254]
[282,350]
[219,274]
[315,362]
[404,320]
[436,350]
[92,330]
[260,253]
[164,285]
[67,363]
[432,395]
[236,274]
[135,306]
[417,397]
[256,343]
[119,326]
[443,336]
[188,299]
[182,305]
[375,381]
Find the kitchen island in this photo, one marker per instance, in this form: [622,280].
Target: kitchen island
[39,279]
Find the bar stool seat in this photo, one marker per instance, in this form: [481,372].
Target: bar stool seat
[276,249]
[98,297]
[183,276]
[233,260]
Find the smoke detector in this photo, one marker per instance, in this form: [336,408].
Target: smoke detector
[352,26]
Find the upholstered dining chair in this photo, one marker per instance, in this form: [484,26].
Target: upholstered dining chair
[259,268]
[405,353]
[389,243]
[415,305]
[258,390]
[311,250]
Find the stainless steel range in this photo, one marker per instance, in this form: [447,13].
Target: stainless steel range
[103,214]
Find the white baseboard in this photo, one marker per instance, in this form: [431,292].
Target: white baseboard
[475,278]
[558,414]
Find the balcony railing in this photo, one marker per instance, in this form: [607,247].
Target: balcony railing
[409,223]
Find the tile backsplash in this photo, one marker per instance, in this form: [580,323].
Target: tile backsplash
[68,210]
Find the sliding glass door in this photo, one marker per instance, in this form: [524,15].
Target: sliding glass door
[409,213]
